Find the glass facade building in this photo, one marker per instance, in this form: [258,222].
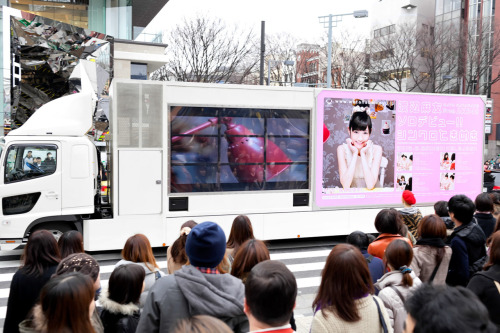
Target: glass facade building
[123,19]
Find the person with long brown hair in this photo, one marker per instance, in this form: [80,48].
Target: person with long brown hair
[39,261]
[241,231]
[137,250]
[431,256]
[344,302]
[249,254]
[486,284]
[396,285]
[66,304]
[70,242]
[176,253]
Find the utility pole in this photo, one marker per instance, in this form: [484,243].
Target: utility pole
[332,21]
[262,51]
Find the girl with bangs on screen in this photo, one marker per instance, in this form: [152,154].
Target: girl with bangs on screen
[359,158]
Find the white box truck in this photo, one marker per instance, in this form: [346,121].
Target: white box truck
[208,152]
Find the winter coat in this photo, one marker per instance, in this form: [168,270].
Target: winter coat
[378,246]
[392,301]
[116,317]
[424,263]
[149,280]
[486,222]
[411,216]
[482,284]
[187,293]
[376,266]
[468,244]
[369,322]
[24,292]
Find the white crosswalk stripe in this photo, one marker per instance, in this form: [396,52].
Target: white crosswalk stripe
[106,268]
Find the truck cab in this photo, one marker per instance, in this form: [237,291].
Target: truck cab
[49,172]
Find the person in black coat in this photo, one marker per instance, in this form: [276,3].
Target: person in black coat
[40,257]
[120,304]
[484,216]
[486,284]
[467,242]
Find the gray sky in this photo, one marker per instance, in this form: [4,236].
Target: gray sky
[299,18]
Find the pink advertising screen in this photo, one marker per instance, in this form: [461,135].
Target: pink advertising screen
[376,145]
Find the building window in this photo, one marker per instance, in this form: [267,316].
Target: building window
[385,31]
[138,71]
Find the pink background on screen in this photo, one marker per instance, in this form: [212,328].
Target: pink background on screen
[426,125]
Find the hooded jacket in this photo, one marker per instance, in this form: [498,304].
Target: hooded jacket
[187,293]
[393,303]
[116,317]
[149,280]
[411,216]
[468,244]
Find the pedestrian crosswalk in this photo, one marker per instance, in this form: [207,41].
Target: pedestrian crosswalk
[305,263]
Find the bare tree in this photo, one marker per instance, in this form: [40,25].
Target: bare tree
[395,60]
[280,48]
[348,61]
[206,50]
[439,49]
[481,52]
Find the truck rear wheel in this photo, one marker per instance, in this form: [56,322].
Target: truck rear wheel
[55,228]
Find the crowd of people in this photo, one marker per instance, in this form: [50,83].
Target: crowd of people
[433,273]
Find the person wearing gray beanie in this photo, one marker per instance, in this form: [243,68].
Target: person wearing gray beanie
[197,288]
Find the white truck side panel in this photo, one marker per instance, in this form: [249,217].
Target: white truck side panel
[139,182]
[266,226]
[78,188]
[107,234]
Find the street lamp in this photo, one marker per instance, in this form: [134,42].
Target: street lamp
[329,21]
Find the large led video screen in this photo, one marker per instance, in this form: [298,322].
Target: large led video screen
[373,146]
[238,149]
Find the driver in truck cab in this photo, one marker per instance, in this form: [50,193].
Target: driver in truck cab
[27,159]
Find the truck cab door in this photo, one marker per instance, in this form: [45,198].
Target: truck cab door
[31,186]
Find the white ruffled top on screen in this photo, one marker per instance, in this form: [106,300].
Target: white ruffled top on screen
[358,181]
